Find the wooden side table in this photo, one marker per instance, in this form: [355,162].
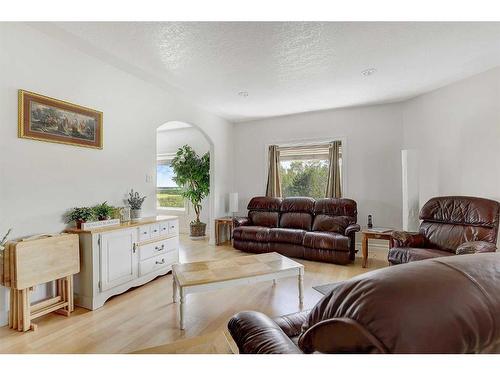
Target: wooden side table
[226,222]
[367,234]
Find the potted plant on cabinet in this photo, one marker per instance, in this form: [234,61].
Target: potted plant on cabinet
[4,240]
[192,173]
[135,201]
[80,215]
[103,211]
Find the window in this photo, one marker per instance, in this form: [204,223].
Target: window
[304,170]
[168,194]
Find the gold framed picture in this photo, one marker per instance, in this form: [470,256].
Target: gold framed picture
[52,120]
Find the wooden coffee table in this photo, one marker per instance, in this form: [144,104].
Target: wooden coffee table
[211,275]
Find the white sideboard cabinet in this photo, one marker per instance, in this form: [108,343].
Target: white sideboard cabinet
[115,259]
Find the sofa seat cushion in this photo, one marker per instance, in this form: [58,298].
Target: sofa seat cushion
[251,233]
[326,241]
[283,235]
[400,255]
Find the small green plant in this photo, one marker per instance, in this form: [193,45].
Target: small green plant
[192,172]
[4,239]
[103,211]
[80,214]
[135,200]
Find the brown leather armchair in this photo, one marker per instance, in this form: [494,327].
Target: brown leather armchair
[442,305]
[450,226]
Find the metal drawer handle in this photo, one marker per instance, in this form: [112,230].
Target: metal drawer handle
[162,262]
[159,248]
[156,230]
[172,227]
[144,232]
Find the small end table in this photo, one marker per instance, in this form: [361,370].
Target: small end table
[223,221]
[367,234]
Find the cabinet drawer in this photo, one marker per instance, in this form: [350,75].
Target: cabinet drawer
[158,262]
[173,227]
[154,230]
[163,226]
[144,233]
[160,247]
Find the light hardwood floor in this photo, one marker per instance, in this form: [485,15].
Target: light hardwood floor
[145,316]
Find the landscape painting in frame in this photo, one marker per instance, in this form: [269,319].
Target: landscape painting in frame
[51,120]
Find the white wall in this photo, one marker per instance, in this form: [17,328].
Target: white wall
[456,130]
[168,142]
[39,181]
[372,162]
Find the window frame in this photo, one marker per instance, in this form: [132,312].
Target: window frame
[309,142]
[167,157]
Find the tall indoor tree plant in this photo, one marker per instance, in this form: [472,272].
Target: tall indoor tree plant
[192,173]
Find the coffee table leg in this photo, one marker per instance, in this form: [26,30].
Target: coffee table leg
[182,308]
[301,287]
[174,289]
[364,249]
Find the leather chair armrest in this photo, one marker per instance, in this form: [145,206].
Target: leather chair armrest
[473,247]
[256,333]
[407,239]
[291,324]
[241,221]
[352,228]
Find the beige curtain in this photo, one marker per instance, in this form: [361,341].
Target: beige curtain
[273,178]
[334,185]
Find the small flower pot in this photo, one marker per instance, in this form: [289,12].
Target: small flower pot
[197,230]
[79,224]
[135,214]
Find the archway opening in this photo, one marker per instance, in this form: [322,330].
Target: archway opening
[170,136]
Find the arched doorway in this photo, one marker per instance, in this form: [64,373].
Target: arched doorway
[169,137]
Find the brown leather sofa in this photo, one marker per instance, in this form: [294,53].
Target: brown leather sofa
[321,230]
[450,226]
[441,305]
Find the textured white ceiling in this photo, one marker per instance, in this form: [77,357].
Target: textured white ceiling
[291,67]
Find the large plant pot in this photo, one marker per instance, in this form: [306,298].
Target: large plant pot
[197,230]
[135,214]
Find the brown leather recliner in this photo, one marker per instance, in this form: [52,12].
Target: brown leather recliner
[450,226]
[321,230]
[442,305]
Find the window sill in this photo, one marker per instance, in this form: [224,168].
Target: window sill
[171,209]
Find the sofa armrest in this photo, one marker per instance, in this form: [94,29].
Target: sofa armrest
[241,221]
[407,239]
[256,333]
[291,324]
[352,228]
[473,247]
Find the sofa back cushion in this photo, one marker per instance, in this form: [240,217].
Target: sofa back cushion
[334,214]
[327,223]
[450,221]
[357,317]
[264,219]
[297,213]
[264,211]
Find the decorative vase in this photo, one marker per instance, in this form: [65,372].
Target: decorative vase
[197,230]
[135,214]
